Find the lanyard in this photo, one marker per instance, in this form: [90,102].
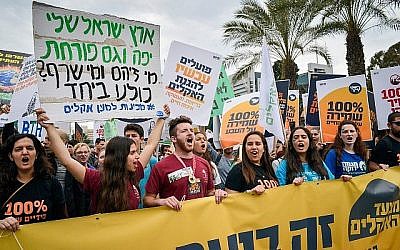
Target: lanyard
[183,164]
[192,177]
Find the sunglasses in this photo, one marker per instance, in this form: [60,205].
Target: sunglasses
[397,123]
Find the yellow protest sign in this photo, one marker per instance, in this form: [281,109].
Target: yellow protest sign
[363,213]
[240,116]
[343,99]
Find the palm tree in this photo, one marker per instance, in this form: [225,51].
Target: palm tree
[286,24]
[353,18]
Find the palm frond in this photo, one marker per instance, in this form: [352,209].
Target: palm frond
[235,58]
[321,51]
[247,67]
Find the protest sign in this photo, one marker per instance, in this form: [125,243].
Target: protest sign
[29,125]
[224,92]
[282,86]
[240,116]
[95,67]
[98,130]
[372,108]
[190,79]
[296,217]
[10,66]
[343,99]
[304,100]
[293,108]
[110,129]
[216,128]
[25,98]
[78,135]
[312,114]
[386,93]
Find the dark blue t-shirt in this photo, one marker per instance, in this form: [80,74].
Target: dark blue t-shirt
[349,164]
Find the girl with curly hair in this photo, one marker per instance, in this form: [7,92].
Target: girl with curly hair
[29,193]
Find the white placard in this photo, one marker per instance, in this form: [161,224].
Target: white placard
[98,130]
[190,79]
[386,84]
[29,125]
[95,67]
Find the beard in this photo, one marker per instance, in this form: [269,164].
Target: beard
[396,133]
[183,146]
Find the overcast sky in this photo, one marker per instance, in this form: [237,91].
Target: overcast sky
[198,23]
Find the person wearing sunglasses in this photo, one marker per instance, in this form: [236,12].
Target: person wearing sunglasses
[387,151]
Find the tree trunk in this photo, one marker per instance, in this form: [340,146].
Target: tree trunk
[354,54]
[289,72]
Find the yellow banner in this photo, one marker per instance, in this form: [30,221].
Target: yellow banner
[360,214]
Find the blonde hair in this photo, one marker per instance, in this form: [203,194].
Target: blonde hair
[79,145]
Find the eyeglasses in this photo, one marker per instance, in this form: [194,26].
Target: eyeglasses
[397,123]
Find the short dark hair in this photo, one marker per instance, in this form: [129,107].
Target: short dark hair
[98,140]
[393,116]
[164,146]
[72,142]
[135,127]
[174,122]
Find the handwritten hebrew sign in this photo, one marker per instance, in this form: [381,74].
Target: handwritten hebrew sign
[96,66]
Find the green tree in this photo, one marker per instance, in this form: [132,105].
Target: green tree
[286,24]
[353,18]
[383,59]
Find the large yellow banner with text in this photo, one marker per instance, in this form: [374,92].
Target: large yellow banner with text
[360,214]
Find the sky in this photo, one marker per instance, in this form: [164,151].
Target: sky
[198,23]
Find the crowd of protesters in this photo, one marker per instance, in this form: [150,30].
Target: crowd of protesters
[63,179]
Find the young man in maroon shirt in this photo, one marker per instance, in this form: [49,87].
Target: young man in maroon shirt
[181,175]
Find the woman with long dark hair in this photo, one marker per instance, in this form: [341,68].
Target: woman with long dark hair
[302,161]
[255,172]
[29,193]
[347,155]
[118,177]
[115,187]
